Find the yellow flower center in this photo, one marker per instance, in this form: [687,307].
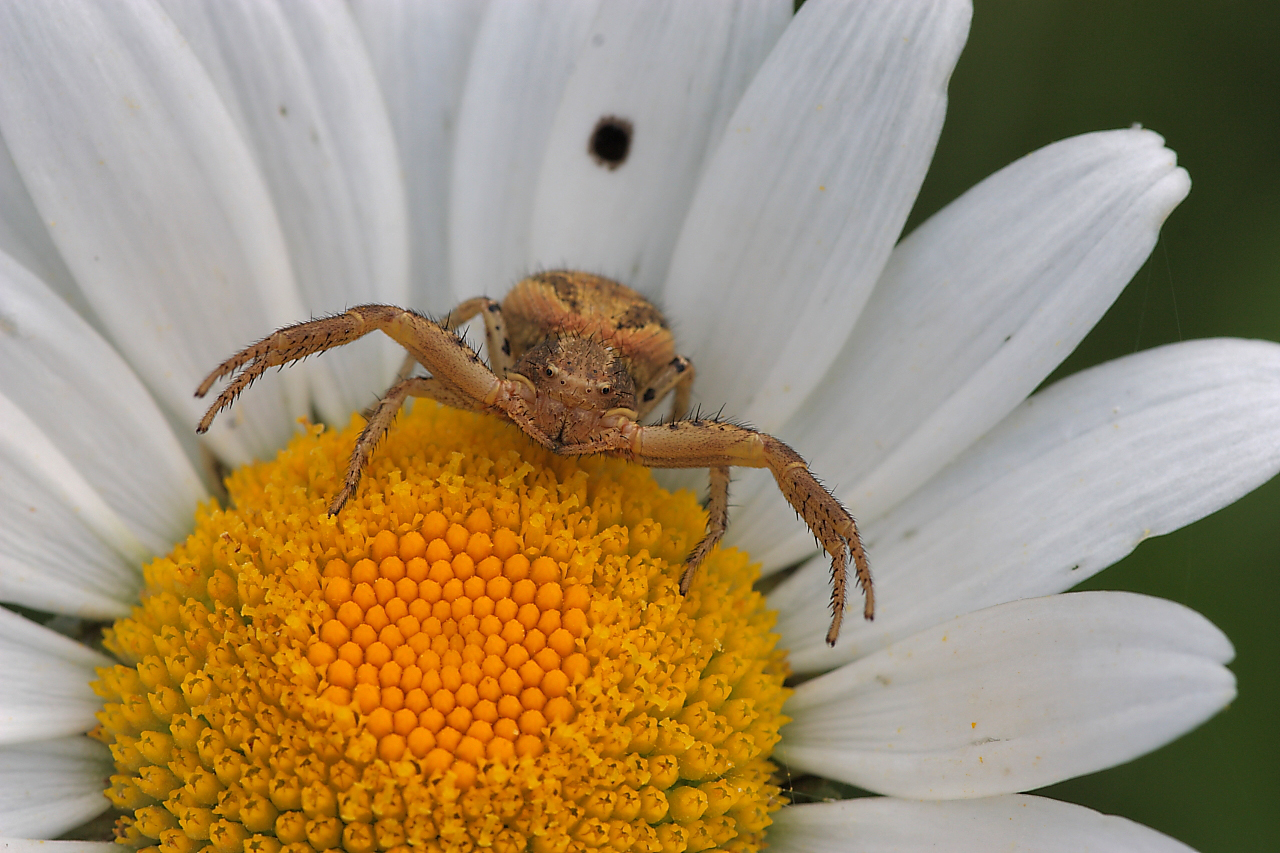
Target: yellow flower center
[487,648]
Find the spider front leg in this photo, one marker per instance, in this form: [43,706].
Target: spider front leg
[443,353]
[716,445]
[495,334]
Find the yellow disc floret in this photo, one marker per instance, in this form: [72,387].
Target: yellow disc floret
[486,648]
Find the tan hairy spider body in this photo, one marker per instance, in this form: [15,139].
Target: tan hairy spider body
[577,361]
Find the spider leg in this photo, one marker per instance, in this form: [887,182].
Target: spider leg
[495,333]
[495,330]
[609,439]
[712,444]
[717,523]
[379,421]
[440,350]
[518,413]
[678,374]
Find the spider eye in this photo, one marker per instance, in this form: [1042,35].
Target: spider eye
[605,390]
[550,371]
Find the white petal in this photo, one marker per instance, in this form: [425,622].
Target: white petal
[674,71]
[975,308]
[523,57]
[24,238]
[420,51]
[48,787]
[45,692]
[62,549]
[298,82]
[1011,698]
[152,198]
[803,200]
[88,403]
[35,845]
[1021,823]
[1068,484]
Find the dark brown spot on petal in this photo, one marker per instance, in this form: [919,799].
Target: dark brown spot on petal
[611,141]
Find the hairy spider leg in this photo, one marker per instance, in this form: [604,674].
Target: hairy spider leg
[717,524]
[447,356]
[717,445]
[497,342]
[379,421]
[677,374]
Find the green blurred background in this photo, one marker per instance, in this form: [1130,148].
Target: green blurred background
[1206,75]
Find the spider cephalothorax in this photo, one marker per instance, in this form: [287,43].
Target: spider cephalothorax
[574,385]
[577,362]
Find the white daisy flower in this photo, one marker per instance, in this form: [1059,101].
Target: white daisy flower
[180,177]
